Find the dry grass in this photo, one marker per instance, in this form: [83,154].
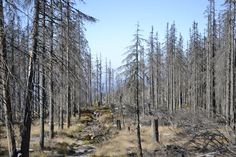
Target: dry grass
[105,118]
[3,143]
[169,135]
[118,145]
[126,140]
[60,142]
[38,154]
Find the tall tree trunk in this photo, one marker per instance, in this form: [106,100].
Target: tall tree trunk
[13,88]
[41,104]
[140,153]
[208,83]
[68,112]
[213,47]
[26,129]
[142,67]
[43,81]
[233,67]
[68,85]
[90,81]
[100,80]
[61,108]
[159,93]
[211,102]
[168,74]
[151,70]
[109,84]
[50,86]
[4,83]
[106,83]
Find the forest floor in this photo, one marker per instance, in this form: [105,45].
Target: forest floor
[186,136]
[95,134]
[78,140]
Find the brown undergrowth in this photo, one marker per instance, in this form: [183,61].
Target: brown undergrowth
[89,129]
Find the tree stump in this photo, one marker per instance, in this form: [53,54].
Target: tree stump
[149,108]
[155,131]
[118,124]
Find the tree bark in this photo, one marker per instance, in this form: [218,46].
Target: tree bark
[118,124]
[155,131]
[140,153]
[68,84]
[61,108]
[50,86]
[42,85]
[26,129]
[4,85]
[100,80]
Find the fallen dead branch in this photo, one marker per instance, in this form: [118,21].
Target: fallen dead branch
[208,141]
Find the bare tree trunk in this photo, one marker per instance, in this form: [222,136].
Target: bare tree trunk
[143,83]
[106,85]
[211,102]
[159,92]
[68,113]
[41,104]
[68,84]
[121,110]
[140,153]
[208,83]
[26,129]
[4,85]
[61,114]
[97,80]
[90,81]
[213,58]
[50,86]
[42,85]
[100,81]
[63,92]
[151,68]
[109,84]
[168,73]
[173,81]
[233,67]
[155,131]
[13,88]
[118,124]
[8,115]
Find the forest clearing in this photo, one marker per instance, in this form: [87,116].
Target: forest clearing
[98,136]
[167,97]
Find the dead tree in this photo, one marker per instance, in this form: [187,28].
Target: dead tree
[155,130]
[27,120]
[5,91]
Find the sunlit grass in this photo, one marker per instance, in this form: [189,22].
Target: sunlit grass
[127,140]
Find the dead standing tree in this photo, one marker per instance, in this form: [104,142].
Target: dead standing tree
[132,72]
[4,86]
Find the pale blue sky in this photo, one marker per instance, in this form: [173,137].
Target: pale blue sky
[118,18]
